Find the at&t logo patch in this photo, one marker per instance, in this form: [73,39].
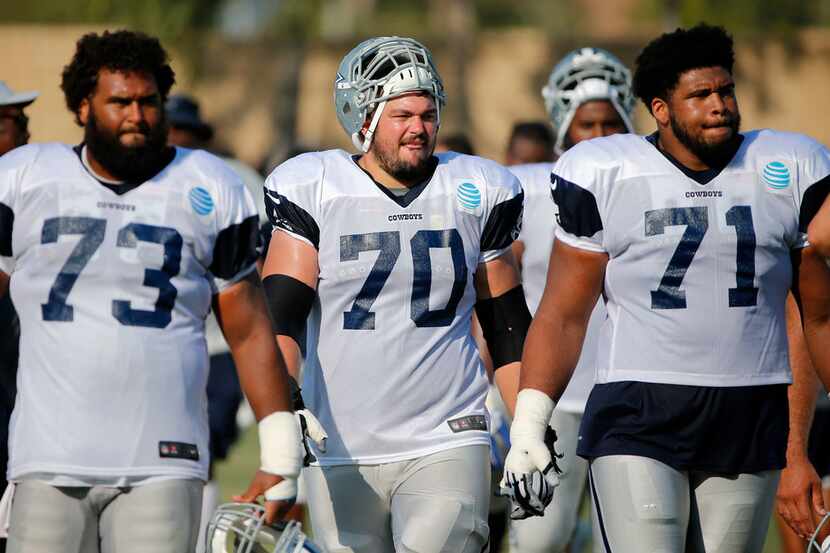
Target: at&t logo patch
[776,175]
[200,200]
[468,197]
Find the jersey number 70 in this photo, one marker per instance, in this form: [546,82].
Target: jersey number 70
[389,243]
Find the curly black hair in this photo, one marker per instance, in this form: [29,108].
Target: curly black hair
[117,51]
[665,58]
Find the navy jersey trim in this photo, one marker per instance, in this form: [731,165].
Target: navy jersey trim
[729,430]
[599,510]
[411,194]
[814,196]
[6,227]
[287,215]
[504,224]
[235,248]
[578,211]
[700,177]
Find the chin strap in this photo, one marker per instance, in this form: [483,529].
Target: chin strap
[370,132]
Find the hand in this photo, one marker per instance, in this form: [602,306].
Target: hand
[279,493]
[530,474]
[311,428]
[799,497]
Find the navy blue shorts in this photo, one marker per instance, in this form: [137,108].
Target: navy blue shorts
[718,430]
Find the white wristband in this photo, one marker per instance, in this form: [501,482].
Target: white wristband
[533,412]
[280,444]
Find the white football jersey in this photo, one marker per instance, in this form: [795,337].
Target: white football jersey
[392,371]
[538,227]
[699,264]
[112,289]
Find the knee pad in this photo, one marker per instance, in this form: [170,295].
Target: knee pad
[441,524]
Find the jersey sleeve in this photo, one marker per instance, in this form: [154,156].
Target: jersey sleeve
[291,198]
[813,188]
[12,166]
[574,184]
[235,248]
[504,217]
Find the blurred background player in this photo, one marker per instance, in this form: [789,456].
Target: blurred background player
[14,124]
[113,257]
[388,251]
[456,142]
[694,235]
[588,95]
[530,142]
[14,132]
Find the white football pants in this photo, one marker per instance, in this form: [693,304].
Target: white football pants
[433,504]
[161,517]
[640,504]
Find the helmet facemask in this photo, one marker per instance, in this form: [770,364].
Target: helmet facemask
[240,528]
[587,75]
[376,71]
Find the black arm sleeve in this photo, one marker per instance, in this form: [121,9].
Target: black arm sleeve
[504,321]
[289,302]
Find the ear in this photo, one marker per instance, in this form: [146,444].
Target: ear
[83,111]
[660,111]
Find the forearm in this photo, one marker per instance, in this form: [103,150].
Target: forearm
[4,284]
[507,381]
[802,392]
[814,294]
[551,353]
[262,372]
[242,314]
[290,352]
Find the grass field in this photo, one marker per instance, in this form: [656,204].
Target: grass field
[233,475]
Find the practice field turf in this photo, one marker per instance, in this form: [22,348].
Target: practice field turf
[234,473]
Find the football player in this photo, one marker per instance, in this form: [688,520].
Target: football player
[694,235]
[386,252]
[588,95]
[529,142]
[113,251]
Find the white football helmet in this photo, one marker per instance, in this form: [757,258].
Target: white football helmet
[585,75]
[377,70]
[813,546]
[239,528]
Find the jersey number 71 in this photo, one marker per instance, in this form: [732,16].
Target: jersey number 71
[696,219]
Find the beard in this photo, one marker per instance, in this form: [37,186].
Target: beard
[401,170]
[712,154]
[128,163]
